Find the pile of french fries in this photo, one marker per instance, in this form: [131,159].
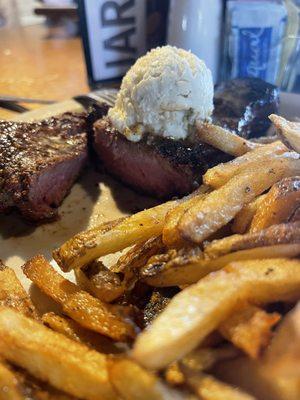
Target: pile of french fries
[230,251]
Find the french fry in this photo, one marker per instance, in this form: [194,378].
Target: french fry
[273,235]
[200,309]
[109,320]
[105,239]
[132,382]
[74,331]
[250,329]
[9,385]
[222,173]
[170,273]
[221,206]
[243,219]
[171,235]
[53,358]
[224,140]
[279,204]
[288,131]
[276,376]
[99,317]
[12,293]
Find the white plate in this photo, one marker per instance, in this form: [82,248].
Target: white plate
[94,199]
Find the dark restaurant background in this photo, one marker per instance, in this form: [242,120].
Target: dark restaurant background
[49,47]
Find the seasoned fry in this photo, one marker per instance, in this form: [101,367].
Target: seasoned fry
[99,317]
[12,293]
[51,357]
[105,239]
[134,383]
[288,131]
[9,385]
[279,204]
[224,140]
[170,273]
[222,173]
[221,206]
[109,320]
[171,235]
[274,235]
[200,309]
[243,219]
[250,329]
[74,331]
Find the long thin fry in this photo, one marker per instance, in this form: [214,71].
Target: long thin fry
[170,274]
[53,358]
[73,330]
[199,309]
[221,206]
[109,320]
[222,173]
[224,140]
[273,235]
[105,239]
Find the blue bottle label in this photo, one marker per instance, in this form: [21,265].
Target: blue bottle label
[254,52]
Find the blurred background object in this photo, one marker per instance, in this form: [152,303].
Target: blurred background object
[196,25]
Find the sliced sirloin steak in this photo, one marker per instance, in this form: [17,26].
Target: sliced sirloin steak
[156,166]
[39,163]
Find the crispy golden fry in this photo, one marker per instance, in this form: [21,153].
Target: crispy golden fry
[288,131]
[250,329]
[105,239]
[279,204]
[274,235]
[134,383]
[92,314]
[221,206]
[74,331]
[187,272]
[208,387]
[12,293]
[243,219]
[171,235]
[222,173]
[109,320]
[200,309]
[276,376]
[224,140]
[51,357]
[9,385]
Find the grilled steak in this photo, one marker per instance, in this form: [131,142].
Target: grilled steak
[244,105]
[157,166]
[39,163]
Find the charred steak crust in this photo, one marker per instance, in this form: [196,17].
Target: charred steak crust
[39,162]
[157,166]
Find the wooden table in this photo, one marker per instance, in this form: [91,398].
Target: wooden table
[34,65]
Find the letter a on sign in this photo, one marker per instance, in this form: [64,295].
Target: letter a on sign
[114,36]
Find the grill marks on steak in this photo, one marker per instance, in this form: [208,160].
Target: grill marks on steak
[160,167]
[39,163]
